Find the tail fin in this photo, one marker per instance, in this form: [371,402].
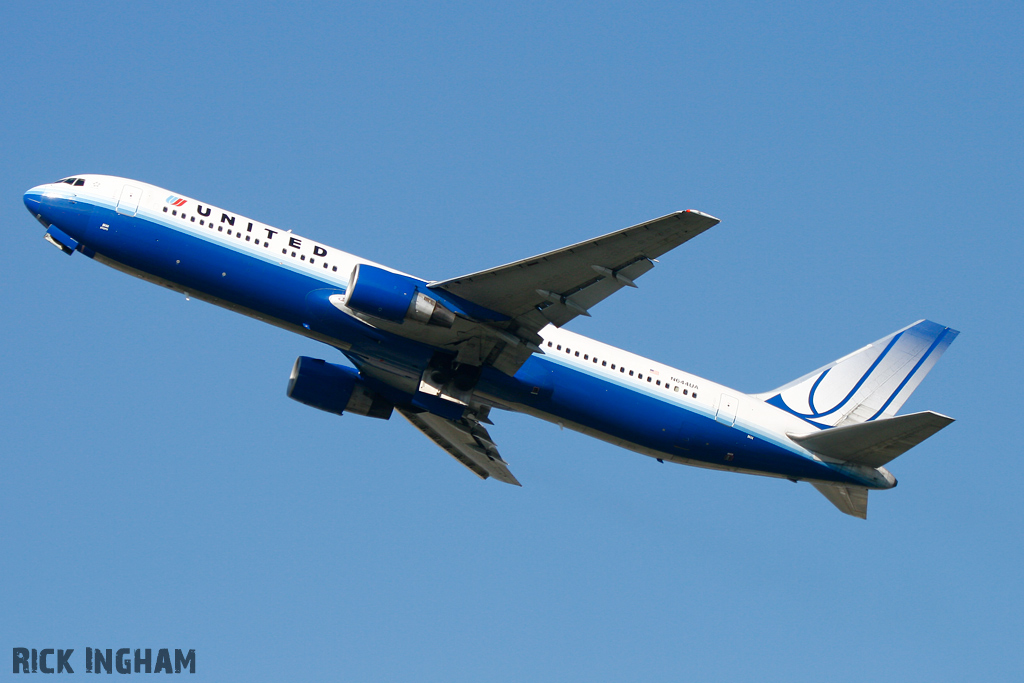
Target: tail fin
[867,384]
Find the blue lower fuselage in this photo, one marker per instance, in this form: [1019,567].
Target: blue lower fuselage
[544,386]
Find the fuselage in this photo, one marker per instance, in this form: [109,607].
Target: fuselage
[285,279]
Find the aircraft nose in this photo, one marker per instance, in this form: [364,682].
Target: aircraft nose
[34,203]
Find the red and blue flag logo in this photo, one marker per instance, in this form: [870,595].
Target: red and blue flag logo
[176,201]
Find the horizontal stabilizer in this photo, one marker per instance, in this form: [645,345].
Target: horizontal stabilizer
[873,443]
[853,500]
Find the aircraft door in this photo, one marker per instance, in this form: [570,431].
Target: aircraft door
[726,410]
[128,204]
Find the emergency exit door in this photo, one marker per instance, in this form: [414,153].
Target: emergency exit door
[726,410]
[128,204]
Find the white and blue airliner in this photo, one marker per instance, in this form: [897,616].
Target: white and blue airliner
[446,353]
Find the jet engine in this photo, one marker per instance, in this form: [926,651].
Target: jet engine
[383,294]
[335,389]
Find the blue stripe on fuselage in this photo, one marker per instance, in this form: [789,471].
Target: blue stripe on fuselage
[241,276]
[567,392]
[247,277]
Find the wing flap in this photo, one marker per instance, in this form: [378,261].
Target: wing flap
[874,443]
[466,441]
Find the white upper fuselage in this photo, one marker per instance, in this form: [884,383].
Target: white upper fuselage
[749,420]
[303,254]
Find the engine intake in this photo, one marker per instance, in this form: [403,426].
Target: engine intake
[334,389]
[383,294]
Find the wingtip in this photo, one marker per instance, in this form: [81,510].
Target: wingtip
[701,213]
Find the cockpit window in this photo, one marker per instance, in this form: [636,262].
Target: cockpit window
[80,182]
[69,181]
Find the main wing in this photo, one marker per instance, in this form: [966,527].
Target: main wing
[551,288]
[466,441]
[557,286]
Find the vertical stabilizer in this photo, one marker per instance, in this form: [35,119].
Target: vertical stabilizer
[867,384]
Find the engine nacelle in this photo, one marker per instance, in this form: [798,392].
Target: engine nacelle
[390,296]
[335,389]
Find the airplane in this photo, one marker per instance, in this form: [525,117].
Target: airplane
[445,353]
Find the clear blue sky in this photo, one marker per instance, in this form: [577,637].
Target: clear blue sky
[157,488]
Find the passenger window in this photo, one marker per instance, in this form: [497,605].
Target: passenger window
[676,389]
[604,363]
[630,373]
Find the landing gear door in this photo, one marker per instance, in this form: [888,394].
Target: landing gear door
[726,410]
[128,204]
